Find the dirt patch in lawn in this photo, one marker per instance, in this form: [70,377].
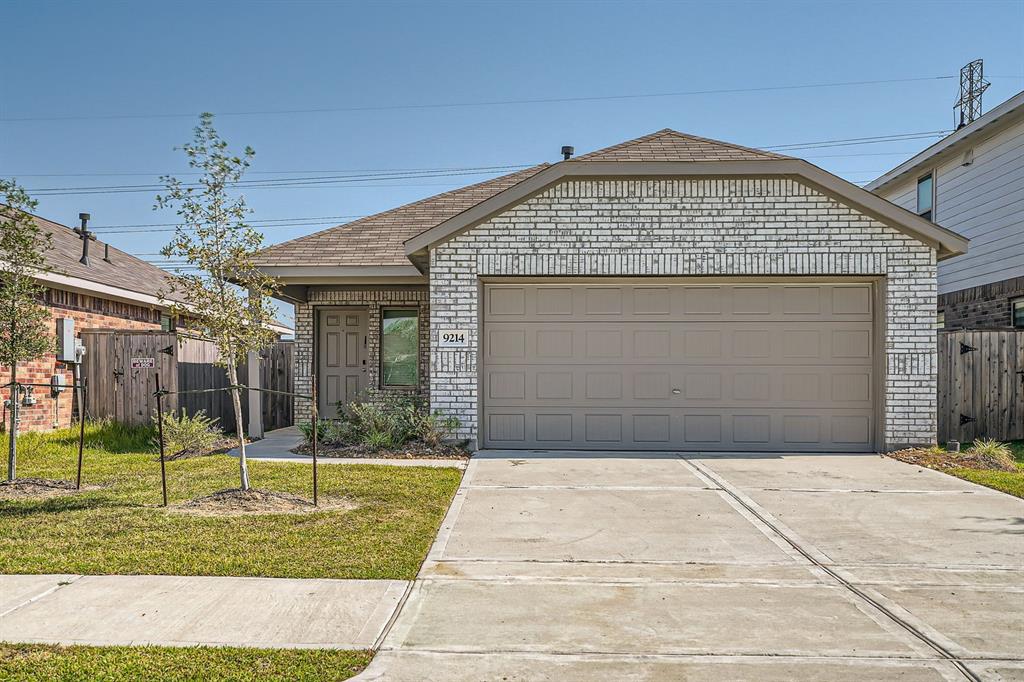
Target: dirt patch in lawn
[940,459]
[411,450]
[38,488]
[221,447]
[235,502]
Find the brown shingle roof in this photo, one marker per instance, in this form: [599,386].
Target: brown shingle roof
[669,145]
[125,271]
[377,239]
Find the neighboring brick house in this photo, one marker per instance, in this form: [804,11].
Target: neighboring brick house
[972,181]
[114,291]
[668,293]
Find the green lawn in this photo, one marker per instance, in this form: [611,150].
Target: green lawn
[1005,481]
[41,662]
[121,529]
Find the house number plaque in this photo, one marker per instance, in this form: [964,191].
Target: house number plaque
[454,338]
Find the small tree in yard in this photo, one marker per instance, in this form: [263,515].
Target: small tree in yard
[24,321]
[227,296]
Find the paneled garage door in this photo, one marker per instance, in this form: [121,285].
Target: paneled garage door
[651,366]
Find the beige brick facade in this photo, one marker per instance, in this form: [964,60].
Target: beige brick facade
[692,227]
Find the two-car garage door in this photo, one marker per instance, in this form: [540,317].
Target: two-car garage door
[657,366]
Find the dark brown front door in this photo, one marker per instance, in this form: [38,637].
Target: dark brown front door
[343,357]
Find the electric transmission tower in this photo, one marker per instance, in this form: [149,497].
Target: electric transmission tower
[972,85]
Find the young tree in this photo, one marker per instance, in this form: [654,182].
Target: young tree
[24,321]
[227,297]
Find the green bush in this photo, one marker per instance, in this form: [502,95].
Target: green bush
[384,420]
[390,420]
[327,431]
[189,435]
[435,428]
[997,454]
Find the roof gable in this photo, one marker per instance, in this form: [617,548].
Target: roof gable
[946,242]
[671,145]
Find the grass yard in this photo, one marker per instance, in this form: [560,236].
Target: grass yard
[119,528]
[1005,481]
[39,662]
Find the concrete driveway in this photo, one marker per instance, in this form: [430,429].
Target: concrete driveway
[570,566]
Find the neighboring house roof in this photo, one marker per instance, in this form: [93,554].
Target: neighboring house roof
[125,276]
[401,236]
[670,145]
[378,239]
[1006,113]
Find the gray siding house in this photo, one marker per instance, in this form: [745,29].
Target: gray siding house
[667,293]
[973,182]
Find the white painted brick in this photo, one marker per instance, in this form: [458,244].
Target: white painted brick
[694,227]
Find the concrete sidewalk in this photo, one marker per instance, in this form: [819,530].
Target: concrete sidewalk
[277,445]
[188,611]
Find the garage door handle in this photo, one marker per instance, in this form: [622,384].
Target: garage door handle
[676,391]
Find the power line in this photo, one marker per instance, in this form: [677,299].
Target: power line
[251,222]
[361,179]
[157,174]
[312,181]
[259,227]
[876,139]
[486,103]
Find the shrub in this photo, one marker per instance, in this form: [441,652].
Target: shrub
[328,431]
[435,428]
[993,453]
[189,435]
[390,420]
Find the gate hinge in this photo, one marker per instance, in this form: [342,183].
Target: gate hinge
[964,348]
[964,419]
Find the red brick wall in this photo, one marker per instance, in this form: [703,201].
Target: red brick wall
[88,312]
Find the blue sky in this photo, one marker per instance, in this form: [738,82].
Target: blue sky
[147,62]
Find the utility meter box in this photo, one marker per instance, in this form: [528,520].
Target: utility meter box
[66,340]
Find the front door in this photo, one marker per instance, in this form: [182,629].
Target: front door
[341,374]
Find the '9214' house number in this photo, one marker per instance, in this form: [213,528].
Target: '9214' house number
[454,338]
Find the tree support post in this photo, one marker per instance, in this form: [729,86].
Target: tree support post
[160,431]
[12,454]
[80,392]
[315,442]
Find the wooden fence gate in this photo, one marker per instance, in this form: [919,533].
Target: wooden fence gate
[121,367]
[981,385]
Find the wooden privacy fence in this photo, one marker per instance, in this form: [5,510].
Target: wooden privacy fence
[120,367]
[981,385]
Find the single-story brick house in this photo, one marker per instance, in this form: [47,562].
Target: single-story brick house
[667,293]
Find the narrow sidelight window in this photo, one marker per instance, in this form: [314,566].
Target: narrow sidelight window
[926,196]
[399,348]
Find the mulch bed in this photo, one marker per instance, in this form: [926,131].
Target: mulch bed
[935,459]
[38,488]
[235,502]
[411,450]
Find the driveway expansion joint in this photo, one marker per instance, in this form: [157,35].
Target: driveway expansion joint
[941,647]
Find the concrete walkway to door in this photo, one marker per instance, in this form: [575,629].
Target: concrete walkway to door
[574,566]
